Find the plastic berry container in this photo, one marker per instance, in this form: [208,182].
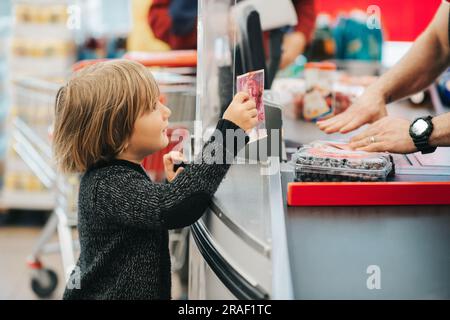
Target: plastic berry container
[333,162]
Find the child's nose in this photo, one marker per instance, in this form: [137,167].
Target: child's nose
[167,111]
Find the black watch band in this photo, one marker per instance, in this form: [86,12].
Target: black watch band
[421,142]
[424,147]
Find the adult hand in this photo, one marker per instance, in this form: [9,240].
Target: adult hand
[368,108]
[387,134]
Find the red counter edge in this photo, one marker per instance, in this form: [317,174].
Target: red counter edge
[368,193]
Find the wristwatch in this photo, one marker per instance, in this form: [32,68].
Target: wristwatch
[420,131]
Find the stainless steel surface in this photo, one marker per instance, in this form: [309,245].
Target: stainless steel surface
[203,283]
[252,266]
[423,167]
[332,249]
[238,254]
[243,197]
[240,231]
[282,284]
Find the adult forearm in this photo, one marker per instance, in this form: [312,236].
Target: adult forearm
[415,71]
[440,136]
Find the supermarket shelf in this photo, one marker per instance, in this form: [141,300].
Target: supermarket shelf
[43,2]
[43,31]
[42,53]
[36,154]
[26,200]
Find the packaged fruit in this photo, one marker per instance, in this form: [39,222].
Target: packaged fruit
[335,161]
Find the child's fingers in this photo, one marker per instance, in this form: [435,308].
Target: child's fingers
[241,97]
[177,156]
[180,170]
[167,159]
[250,104]
[175,153]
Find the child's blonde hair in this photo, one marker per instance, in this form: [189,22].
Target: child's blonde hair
[96,110]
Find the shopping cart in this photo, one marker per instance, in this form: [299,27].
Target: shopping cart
[32,116]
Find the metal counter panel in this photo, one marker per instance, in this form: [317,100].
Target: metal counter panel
[244,199]
[331,249]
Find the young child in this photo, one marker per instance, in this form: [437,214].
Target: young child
[107,119]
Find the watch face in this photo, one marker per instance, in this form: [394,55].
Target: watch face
[419,127]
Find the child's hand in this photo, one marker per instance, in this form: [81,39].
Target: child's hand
[171,158]
[242,111]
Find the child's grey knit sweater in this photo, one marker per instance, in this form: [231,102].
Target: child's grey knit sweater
[123,222]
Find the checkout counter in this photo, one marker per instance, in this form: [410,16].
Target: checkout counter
[252,244]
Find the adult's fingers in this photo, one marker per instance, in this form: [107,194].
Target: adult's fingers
[369,132]
[333,128]
[328,122]
[362,142]
[335,124]
[352,125]
[374,147]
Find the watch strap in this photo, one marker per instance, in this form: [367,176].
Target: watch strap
[422,143]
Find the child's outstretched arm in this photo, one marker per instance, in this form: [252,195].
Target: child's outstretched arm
[183,201]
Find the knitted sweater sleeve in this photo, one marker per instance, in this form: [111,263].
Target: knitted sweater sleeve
[135,201]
